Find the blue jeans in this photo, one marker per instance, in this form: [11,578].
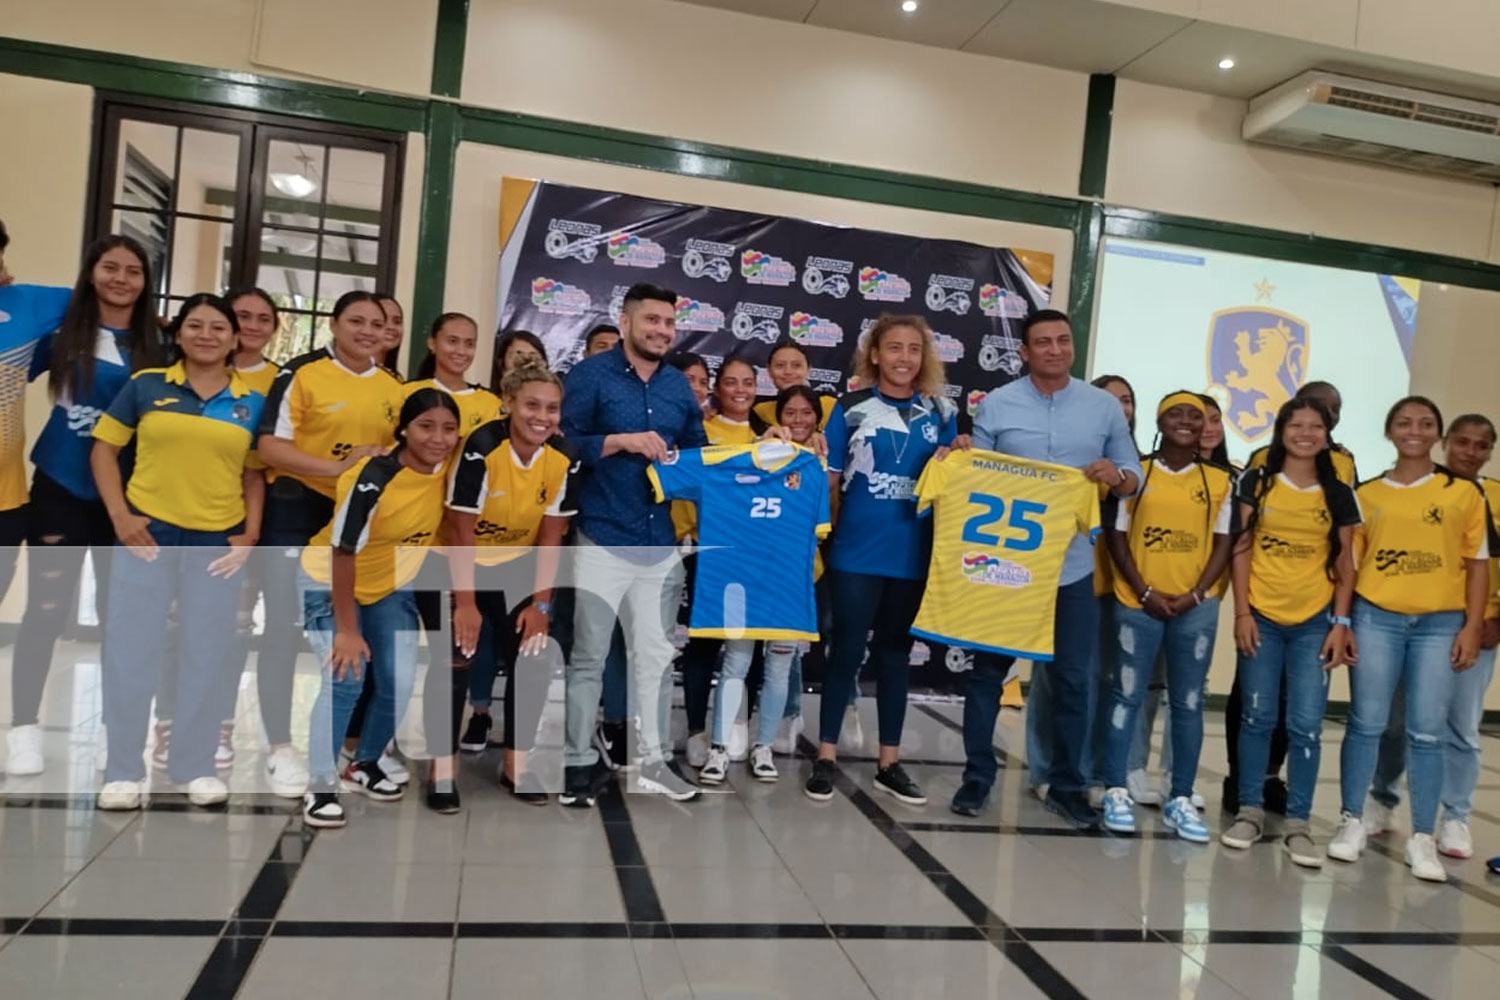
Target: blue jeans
[391,628]
[1397,652]
[1140,747]
[1290,651]
[1461,750]
[862,604]
[773,691]
[1189,643]
[1066,682]
[140,595]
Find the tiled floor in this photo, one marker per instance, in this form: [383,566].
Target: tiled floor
[751,892]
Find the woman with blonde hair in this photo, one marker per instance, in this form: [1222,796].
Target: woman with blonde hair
[879,439]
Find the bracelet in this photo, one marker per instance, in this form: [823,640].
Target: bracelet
[544,607]
[1119,472]
[1146,594]
[1243,614]
[1343,620]
[1197,597]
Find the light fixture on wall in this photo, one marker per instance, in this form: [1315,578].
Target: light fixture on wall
[300,184]
[1227,62]
[909,6]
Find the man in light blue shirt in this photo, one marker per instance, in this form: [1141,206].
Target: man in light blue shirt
[1052,417]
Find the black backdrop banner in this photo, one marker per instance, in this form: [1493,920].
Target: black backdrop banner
[745,280]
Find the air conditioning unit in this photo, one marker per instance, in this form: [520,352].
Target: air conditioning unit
[1380,123]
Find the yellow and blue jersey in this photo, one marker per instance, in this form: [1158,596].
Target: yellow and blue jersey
[1003,526]
[761,510]
[191,452]
[27,314]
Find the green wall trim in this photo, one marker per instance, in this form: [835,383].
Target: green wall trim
[202,85]
[441,153]
[448,47]
[1098,119]
[1088,229]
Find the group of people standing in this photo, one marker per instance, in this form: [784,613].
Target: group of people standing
[199,474]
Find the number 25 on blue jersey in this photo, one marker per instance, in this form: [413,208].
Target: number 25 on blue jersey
[1022,519]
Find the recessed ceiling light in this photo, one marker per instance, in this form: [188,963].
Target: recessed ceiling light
[909,6]
[1226,63]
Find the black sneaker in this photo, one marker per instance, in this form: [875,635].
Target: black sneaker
[819,786]
[1074,808]
[323,810]
[970,799]
[1274,799]
[1231,800]
[368,779]
[442,797]
[477,733]
[895,781]
[579,791]
[609,740]
[662,778]
[528,788]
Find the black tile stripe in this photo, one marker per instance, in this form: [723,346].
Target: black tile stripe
[522,929]
[1372,974]
[637,890]
[364,928]
[159,802]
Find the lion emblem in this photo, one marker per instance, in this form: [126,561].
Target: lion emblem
[1257,359]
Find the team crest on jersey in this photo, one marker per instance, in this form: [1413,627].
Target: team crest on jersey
[1433,515]
[793,481]
[1257,359]
[1200,496]
[929,433]
[541,496]
[390,412]
[240,412]
[1322,516]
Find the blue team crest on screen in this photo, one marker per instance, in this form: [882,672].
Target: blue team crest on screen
[1257,359]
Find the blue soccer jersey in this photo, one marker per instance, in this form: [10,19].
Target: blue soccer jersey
[761,510]
[27,314]
[880,446]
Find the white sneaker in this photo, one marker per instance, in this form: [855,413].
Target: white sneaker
[393,767]
[739,742]
[286,774]
[715,768]
[1379,818]
[1197,800]
[1349,842]
[1040,791]
[207,791]
[24,745]
[1455,841]
[852,736]
[786,737]
[1422,859]
[120,795]
[697,750]
[762,767]
[1139,786]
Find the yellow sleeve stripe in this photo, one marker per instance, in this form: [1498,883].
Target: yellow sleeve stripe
[656,488]
[111,431]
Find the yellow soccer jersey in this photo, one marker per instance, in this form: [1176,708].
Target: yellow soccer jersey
[508,497]
[476,404]
[1491,489]
[1343,463]
[327,410]
[1003,526]
[259,377]
[721,431]
[1104,567]
[1412,545]
[1170,526]
[766,410]
[387,516]
[1289,581]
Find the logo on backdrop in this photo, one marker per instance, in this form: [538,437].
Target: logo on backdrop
[1002,303]
[707,259]
[561,244]
[949,293]
[1257,359]
[825,380]
[876,285]
[553,296]
[950,349]
[694,315]
[814,331]
[827,276]
[756,321]
[765,269]
[630,250]
[1000,353]
[976,396]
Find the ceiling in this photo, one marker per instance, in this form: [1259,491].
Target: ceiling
[1091,36]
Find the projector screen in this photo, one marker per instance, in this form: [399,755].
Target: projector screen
[1249,332]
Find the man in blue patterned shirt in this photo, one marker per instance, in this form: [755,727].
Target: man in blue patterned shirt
[623,409]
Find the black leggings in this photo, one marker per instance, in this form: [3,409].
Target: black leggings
[60,529]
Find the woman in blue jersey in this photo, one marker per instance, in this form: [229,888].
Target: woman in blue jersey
[879,439]
[109,330]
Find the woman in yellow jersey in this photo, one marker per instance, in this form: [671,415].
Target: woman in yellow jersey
[1422,586]
[788,365]
[1170,544]
[359,611]
[1469,445]
[327,410]
[512,489]
[258,318]
[730,423]
[391,335]
[1293,587]
[450,352]
[182,538]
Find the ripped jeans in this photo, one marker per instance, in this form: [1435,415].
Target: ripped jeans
[1189,643]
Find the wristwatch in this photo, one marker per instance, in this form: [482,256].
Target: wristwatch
[545,607]
[1343,620]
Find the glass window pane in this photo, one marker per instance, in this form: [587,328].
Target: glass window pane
[351,255]
[294,183]
[200,256]
[289,267]
[294,333]
[143,169]
[356,189]
[206,181]
[150,230]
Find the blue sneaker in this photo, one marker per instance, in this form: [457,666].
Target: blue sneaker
[1119,811]
[1182,817]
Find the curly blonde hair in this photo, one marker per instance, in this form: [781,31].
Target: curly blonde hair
[511,384]
[932,376]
